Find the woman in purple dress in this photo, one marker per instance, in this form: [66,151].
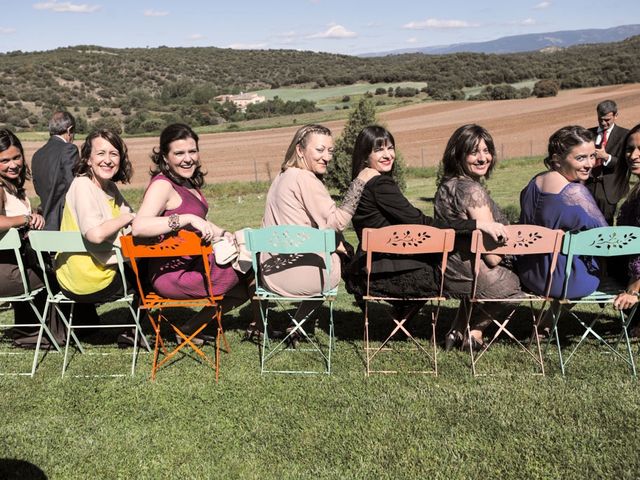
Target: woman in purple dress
[173,201]
[558,199]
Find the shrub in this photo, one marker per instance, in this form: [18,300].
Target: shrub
[546,88]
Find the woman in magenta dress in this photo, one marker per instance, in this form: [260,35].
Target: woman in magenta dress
[173,201]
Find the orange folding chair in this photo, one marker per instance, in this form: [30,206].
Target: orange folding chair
[183,244]
[405,240]
[523,240]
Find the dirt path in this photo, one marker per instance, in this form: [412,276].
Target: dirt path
[519,128]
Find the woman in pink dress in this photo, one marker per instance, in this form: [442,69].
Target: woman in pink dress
[173,201]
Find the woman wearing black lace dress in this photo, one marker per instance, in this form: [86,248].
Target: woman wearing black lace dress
[468,159]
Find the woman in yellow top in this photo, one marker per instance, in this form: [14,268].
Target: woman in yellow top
[95,207]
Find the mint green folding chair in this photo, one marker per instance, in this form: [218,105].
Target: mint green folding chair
[10,241]
[597,242]
[72,242]
[287,243]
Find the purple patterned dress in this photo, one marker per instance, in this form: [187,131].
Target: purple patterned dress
[183,277]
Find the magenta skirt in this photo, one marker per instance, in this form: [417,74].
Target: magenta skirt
[183,278]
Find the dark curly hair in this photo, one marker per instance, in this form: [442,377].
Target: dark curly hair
[173,132]
[462,142]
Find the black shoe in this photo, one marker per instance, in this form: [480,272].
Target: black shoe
[293,338]
[127,339]
[452,340]
[476,345]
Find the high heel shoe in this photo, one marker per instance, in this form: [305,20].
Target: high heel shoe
[452,340]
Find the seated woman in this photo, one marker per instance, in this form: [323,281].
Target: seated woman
[558,199]
[16,212]
[629,214]
[173,201]
[468,159]
[383,204]
[297,196]
[95,207]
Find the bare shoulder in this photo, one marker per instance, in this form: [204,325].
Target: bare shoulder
[551,182]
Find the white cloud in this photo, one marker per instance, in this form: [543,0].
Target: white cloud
[5,30]
[436,23]
[527,21]
[196,36]
[542,5]
[334,31]
[63,7]
[412,40]
[155,13]
[247,46]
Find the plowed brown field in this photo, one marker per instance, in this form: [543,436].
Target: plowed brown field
[519,128]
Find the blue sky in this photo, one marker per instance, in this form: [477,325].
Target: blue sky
[337,26]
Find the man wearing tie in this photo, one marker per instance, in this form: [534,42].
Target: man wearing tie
[609,142]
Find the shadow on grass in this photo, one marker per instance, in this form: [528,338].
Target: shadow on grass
[13,469]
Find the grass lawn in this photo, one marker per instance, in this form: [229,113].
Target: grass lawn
[184,425]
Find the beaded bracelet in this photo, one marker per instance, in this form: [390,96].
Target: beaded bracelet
[174,222]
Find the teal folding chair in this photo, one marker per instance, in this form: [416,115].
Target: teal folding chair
[52,242]
[10,241]
[290,242]
[597,242]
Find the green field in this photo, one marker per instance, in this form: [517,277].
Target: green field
[511,425]
[470,91]
[322,94]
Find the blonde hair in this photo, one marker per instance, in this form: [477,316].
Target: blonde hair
[301,137]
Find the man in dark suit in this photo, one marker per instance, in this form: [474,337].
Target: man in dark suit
[51,167]
[609,143]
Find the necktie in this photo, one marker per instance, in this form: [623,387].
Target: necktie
[604,138]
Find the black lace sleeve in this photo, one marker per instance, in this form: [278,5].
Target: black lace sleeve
[352,196]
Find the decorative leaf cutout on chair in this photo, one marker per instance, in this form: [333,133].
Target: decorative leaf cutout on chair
[167,244]
[285,239]
[613,241]
[405,238]
[526,240]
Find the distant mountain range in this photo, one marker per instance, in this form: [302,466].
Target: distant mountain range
[527,43]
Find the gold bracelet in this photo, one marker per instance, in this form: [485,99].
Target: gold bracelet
[174,222]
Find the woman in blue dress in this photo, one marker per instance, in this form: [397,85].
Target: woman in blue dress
[558,199]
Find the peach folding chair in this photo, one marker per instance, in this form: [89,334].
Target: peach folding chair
[523,240]
[183,244]
[405,240]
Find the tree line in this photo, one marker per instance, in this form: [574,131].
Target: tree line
[140,90]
